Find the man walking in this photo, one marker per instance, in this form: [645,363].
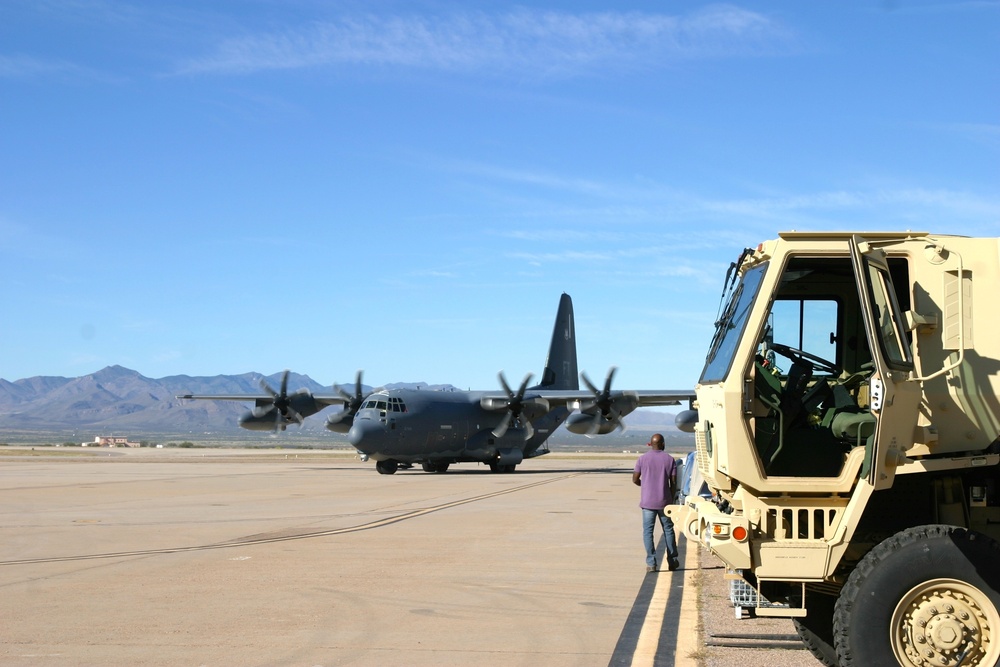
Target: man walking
[654,472]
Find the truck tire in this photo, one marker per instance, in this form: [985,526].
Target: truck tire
[816,629]
[929,595]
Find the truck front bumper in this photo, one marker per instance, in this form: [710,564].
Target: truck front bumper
[727,535]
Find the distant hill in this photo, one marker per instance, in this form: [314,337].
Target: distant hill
[119,400]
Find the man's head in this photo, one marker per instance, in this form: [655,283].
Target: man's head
[656,442]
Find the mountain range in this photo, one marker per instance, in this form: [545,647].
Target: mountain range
[117,400]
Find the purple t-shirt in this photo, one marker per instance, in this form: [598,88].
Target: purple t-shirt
[655,469]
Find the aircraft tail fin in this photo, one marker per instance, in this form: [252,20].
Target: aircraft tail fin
[560,367]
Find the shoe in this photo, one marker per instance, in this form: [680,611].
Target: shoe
[673,564]
[650,568]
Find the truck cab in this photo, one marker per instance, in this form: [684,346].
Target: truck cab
[849,401]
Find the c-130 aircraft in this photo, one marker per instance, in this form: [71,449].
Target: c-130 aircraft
[402,427]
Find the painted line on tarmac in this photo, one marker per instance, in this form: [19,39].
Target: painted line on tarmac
[662,627]
[388,521]
[687,638]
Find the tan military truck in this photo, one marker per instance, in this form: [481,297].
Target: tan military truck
[847,422]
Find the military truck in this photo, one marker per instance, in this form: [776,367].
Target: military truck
[847,422]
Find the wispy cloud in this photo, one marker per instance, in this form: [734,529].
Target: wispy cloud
[434,273]
[24,67]
[985,133]
[650,200]
[21,67]
[899,205]
[532,177]
[939,7]
[539,258]
[525,41]
[620,263]
[643,202]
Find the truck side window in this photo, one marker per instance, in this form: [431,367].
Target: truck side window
[808,324]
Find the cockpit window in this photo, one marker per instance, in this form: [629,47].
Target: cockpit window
[392,404]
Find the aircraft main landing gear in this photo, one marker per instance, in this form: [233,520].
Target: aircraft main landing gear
[386,467]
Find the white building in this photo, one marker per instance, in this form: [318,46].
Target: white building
[111,441]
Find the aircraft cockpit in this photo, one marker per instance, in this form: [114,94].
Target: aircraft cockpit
[385,404]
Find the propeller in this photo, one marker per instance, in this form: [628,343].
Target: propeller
[281,404]
[603,402]
[515,405]
[352,402]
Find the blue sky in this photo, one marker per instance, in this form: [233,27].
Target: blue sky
[407,187]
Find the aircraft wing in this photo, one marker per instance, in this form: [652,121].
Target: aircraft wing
[583,400]
[320,399]
[599,410]
[573,399]
[652,397]
[274,410]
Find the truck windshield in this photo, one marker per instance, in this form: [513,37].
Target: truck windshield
[729,328]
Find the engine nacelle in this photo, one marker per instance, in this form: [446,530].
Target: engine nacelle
[585,424]
[263,420]
[268,416]
[686,420]
[340,424]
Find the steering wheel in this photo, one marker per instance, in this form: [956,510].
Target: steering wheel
[805,358]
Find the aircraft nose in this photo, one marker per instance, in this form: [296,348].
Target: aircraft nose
[364,431]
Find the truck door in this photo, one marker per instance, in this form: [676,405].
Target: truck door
[895,396]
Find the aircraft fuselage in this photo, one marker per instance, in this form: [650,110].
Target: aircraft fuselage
[420,426]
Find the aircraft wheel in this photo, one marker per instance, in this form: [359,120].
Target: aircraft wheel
[509,468]
[495,467]
[441,467]
[386,467]
[926,595]
[428,466]
[816,629]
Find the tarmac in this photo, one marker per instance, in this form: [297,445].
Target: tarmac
[248,557]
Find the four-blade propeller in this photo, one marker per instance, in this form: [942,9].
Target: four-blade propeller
[516,405]
[352,402]
[603,402]
[281,404]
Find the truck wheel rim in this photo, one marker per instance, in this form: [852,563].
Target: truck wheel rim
[946,622]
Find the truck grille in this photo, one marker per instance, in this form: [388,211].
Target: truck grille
[818,522]
[701,449]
